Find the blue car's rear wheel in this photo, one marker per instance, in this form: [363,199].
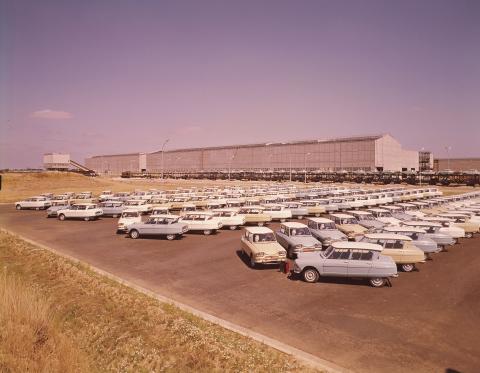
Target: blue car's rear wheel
[310,275]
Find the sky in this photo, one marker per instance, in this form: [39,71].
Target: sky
[116,76]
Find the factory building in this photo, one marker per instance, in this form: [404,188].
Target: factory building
[381,152]
[457,164]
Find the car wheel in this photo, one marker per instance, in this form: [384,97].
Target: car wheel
[134,234]
[260,223]
[283,220]
[408,267]
[310,275]
[233,227]
[61,217]
[18,207]
[37,208]
[86,218]
[170,237]
[377,282]
[469,235]
[300,217]
[317,215]
[207,232]
[252,262]
[114,216]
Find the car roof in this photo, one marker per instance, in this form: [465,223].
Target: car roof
[359,212]
[227,209]
[293,224]
[208,213]
[377,210]
[387,236]
[168,216]
[258,230]
[403,228]
[342,216]
[131,210]
[357,245]
[423,223]
[320,220]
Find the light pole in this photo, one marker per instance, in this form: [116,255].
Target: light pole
[163,152]
[305,165]
[230,166]
[448,148]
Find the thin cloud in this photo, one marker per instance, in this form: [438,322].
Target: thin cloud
[51,114]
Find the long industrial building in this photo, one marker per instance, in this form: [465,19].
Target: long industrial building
[368,153]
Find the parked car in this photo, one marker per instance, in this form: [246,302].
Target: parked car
[201,221]
[168,226]
[367,220]
[254,215]
[127,218]
[158,210]
[400,248]
[384,216]
[419,237]
[297,209]
[260,246]
[85,211]
[314,208]
[140,205]
[296,237]
[432,231]
[325,231]
[37,203]
[56,205]
[348,224]
[463,221]
[447,226]
[277,212]
[112,208]
[229,217]
[346,259]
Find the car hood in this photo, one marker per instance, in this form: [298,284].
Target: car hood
[330,234]
[270,248]
[306,241]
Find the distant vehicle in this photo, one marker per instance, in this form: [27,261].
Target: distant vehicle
[367,220]
[85,211]
[167,226]
[140,205]
[315,208]
[400,248]
[112,208]
[277,212]
[325,231]
[229,217]
[297,209]
[419,237]
[385,216]
[260,245]
[348,224]
[201,221]
[296,237]
[56,205]
[36,203]
[127,218]
[432,231]
[346,259]
[254,215]
[447,226]
[158,210]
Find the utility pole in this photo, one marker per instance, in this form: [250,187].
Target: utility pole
[305,165]
[163,153]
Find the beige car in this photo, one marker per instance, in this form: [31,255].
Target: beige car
[260,246]
[348,224]
[462,221]
[255,215]
[399,247]
[314,208]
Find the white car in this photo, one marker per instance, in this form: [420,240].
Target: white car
[141,205]
[201,221]
[229,217]
[85,211]
[385,216]
[447,226]
[277,212]
[37,203]
[128,217]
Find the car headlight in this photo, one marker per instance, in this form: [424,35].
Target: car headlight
[281,253]
[259,254]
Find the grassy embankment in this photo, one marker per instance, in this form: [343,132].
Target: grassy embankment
[57,316]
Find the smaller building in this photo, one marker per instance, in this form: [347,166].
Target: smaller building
[456,164]
[425,160]
[118,163]
[56,161]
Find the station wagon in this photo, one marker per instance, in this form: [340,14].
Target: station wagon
[167,226]
[296,237]
[260,246]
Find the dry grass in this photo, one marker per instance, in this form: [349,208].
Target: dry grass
[99,324]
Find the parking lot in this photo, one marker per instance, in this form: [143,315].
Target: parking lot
[428,320]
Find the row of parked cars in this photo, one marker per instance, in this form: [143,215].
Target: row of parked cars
[344,234]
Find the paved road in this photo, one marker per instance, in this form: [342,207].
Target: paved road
[428,321]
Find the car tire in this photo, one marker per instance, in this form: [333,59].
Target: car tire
[114,216]
[317,215]
[300,217]
[37,208]
[170,237]
[18,207]
[134,234]
[86,218]
[61,217]
[407,267]
[252,262]
[207,232]
[283,220]
[310,275]
[377,282]
[233,227]
[469,235]
[260,223]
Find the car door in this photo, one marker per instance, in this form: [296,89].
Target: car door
[337,263]
[360,263]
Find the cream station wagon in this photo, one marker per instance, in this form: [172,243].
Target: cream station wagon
[348,224]
[255,215]
[85,211]
[201,221]
[260,246]
[399,247]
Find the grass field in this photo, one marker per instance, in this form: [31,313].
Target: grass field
[17,186]
[56,316]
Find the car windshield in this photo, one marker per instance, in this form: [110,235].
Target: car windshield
[264,237]
[300,232]
[348,221]
[129,214]
[366,217]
